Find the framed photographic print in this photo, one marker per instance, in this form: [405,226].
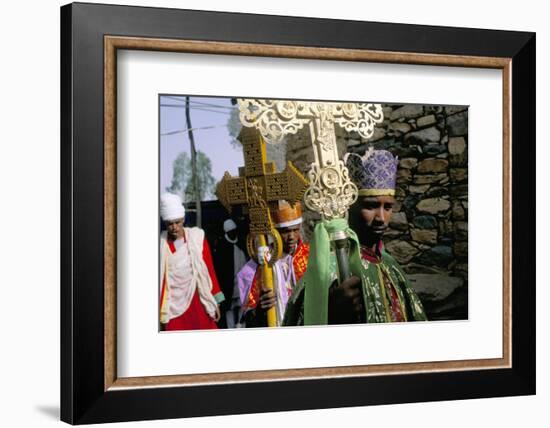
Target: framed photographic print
[334,203]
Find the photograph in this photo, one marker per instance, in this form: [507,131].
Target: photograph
[281,212]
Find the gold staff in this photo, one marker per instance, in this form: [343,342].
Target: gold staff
[258,186]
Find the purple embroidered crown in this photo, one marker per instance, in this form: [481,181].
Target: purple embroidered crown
[374,173]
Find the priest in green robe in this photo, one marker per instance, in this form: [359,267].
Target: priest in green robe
[378,290]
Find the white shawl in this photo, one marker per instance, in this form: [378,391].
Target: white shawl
[184,272]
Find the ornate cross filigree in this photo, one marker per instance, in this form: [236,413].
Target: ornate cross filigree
[258,186]
[331,191]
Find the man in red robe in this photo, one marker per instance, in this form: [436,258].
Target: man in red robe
[189,291]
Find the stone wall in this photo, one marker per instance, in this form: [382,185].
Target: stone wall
[428,234]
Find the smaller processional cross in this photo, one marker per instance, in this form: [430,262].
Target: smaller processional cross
[259,188]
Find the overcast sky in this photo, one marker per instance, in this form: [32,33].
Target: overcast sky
[214,142]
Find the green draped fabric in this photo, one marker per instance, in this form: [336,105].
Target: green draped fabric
[308,304]
[321,268]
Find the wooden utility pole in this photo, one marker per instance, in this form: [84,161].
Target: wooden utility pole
[194,175]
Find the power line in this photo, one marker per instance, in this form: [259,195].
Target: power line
[173,105]
[180,131]
[173,98]
[213,111]
[195,108]
[213,105]
[202,104]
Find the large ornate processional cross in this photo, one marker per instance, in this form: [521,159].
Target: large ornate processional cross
[331,191]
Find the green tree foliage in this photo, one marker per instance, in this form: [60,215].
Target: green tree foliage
[234,127]
[182,179]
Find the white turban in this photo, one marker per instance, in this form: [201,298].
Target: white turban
[229,225]
[171,207]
